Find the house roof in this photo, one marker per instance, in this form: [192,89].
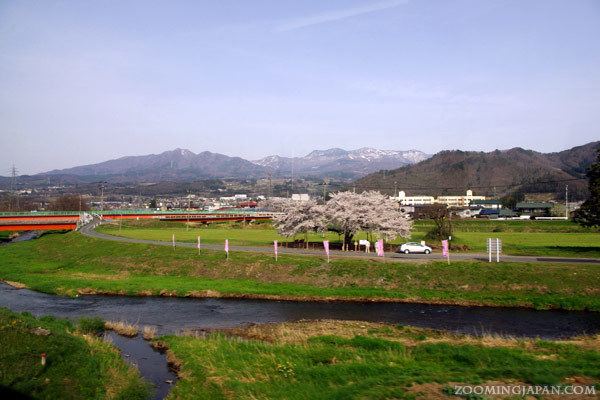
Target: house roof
[532,205]
[489,212]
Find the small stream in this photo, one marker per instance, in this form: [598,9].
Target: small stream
[151,364]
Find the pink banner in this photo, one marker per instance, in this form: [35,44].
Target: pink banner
[379,248]
[326,246]
[226,245]
[275,247]
[445,248]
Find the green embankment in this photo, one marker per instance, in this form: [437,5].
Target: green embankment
[357,360]
[536,238]
[71,263]
[77,366]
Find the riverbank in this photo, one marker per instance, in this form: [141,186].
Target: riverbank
[73,264]
[78,365]
[533,238]
[335,359]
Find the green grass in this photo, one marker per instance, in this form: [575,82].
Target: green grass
[76,368]
[72,263]
[381,363]
[536,238]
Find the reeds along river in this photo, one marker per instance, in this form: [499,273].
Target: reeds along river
[170,315]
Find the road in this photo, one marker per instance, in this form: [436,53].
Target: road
[89,230]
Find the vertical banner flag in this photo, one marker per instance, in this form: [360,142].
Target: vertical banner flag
[198,245]
[326,247]
[173,239]
[275,249]
[379,248]
[445,251]
[227,248]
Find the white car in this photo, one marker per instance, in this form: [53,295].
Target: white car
[414,247]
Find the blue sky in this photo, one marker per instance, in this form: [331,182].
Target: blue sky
[84,81]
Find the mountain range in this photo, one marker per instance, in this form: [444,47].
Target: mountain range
[499,172]
[185,165]
[341,163]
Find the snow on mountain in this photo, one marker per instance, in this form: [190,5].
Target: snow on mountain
[340,162]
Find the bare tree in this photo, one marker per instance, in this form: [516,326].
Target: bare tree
[69,203]
[440,215]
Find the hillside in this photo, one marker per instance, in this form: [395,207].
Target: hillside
[497,172]
[178,165]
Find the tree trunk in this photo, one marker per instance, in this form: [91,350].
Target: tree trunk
[347,239]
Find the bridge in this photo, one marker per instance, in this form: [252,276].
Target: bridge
[72,220]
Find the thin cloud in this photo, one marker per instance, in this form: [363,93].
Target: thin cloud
[338,15]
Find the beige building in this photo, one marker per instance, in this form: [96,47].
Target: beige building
[458,201]
[450,201]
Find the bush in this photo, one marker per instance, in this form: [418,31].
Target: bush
[94,325]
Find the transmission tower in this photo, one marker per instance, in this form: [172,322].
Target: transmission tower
[13,186]
[13,176]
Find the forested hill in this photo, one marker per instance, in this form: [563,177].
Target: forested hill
[498,172]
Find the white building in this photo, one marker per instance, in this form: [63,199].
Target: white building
[300,197]
[413,200]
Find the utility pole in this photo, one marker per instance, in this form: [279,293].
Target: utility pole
[270,187]
[566,201]
[395,188]
[292,171]
[102,186]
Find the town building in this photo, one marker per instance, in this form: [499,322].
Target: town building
[535,209]
[413,200]
[300,197]
[487,204]
[458,201]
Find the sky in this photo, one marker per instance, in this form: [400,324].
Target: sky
[87,81]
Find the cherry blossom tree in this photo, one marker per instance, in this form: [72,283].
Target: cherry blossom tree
[300,217]
[349,213]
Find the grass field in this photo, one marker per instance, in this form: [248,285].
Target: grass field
[77,366]
[537,238]
[72,263]
[358,360]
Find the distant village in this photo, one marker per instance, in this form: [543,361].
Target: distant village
[468,205]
